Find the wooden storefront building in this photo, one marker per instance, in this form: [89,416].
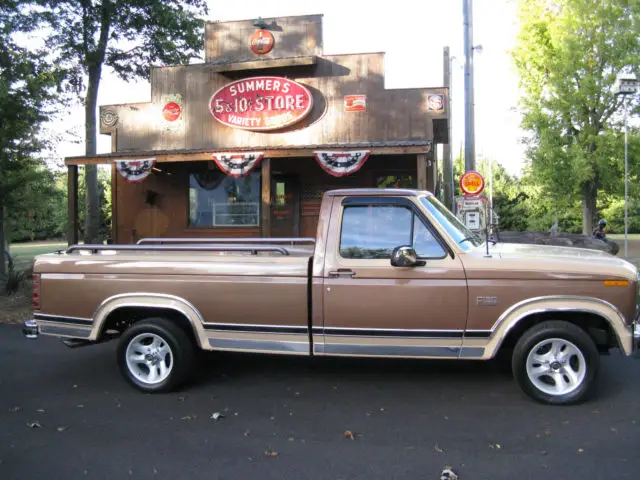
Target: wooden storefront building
[244,144]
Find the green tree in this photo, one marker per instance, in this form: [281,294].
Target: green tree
[129,37]
[568,55]
[26,91]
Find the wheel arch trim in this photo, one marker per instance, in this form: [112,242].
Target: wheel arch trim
[151,301]
[561,304]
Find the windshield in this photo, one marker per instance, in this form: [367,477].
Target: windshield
[454,227]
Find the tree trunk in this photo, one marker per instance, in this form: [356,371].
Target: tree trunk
[92,222]
[589,197]
[3,258]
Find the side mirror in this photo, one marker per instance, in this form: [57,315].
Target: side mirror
[405,256]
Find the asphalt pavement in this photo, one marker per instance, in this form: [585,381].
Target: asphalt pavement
[68,414]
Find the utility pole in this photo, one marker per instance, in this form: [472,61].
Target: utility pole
[446,153]
[469,121]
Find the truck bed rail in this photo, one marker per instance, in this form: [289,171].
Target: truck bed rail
[290,241]
[253,249]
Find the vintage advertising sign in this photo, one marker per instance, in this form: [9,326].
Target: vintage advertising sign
[355,103]
[172,112]
[435,103]
[261,42]
[261,103]
[472,183]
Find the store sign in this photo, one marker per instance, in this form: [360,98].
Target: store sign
[472,183]
[355,103]
[171,111]
[261,103]
[261,42]
[435,103]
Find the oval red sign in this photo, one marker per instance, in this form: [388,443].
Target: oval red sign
[472,183]
[261,103]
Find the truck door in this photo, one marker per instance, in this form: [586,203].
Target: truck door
[372,308]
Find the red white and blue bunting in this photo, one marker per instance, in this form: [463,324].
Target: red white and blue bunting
[237,164]
[340,164]
[135,171]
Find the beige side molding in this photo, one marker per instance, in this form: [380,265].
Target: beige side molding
[151,301]
[560,303]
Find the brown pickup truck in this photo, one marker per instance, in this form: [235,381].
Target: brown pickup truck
[391,273]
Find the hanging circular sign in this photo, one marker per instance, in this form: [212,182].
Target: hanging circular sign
[472,183]
[171,112]
[261,42]
[261,103]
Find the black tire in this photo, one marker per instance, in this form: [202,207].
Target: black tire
[181,353]
[567,332]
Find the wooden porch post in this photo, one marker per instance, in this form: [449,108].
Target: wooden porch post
[265,206]
[432,169]
[422,171]
[72,204]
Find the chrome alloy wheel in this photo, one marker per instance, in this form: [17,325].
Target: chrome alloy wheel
[149,358]
[556,366]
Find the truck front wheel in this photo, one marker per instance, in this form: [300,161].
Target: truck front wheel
[556,362]
[155,355]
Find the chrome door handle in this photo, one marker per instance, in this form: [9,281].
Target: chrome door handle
[342,272]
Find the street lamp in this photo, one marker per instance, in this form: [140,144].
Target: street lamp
[626,85]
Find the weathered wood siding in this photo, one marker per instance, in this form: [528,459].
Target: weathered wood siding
[228,42]
[391,116]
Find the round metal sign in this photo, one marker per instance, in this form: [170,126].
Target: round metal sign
[261,42]
[472,183]
[261,103]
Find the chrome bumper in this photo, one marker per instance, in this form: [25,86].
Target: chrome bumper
[30,329]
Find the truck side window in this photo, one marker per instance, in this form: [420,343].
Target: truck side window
[373,231]
[424,243]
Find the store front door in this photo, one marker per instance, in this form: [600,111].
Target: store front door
[285,206]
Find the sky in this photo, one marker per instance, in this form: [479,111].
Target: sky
[413,34]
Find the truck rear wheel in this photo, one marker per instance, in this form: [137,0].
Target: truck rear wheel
[556,362]
[155,355]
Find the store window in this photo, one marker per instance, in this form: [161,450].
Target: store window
[370,232]
[218,200]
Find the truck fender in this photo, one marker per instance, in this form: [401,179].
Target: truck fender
[560,303]
[151,301]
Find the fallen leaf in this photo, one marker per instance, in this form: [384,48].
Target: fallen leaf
[41,410]
[34,425]
[566,422]
[235,414]
[181,399]
[291,439]
[614,429]
[80,405]
[349,434]
[446,418]
[246,434]
[448,474]
[543,452]
[382,409]
[216,416]
[186,417]
[75,386]
[61,429]
[595,411]
[580,450]
[273,418]
[498,446]
[15,409]
[438,449]
[270,453]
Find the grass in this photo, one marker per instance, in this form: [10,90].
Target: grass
[23,253]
